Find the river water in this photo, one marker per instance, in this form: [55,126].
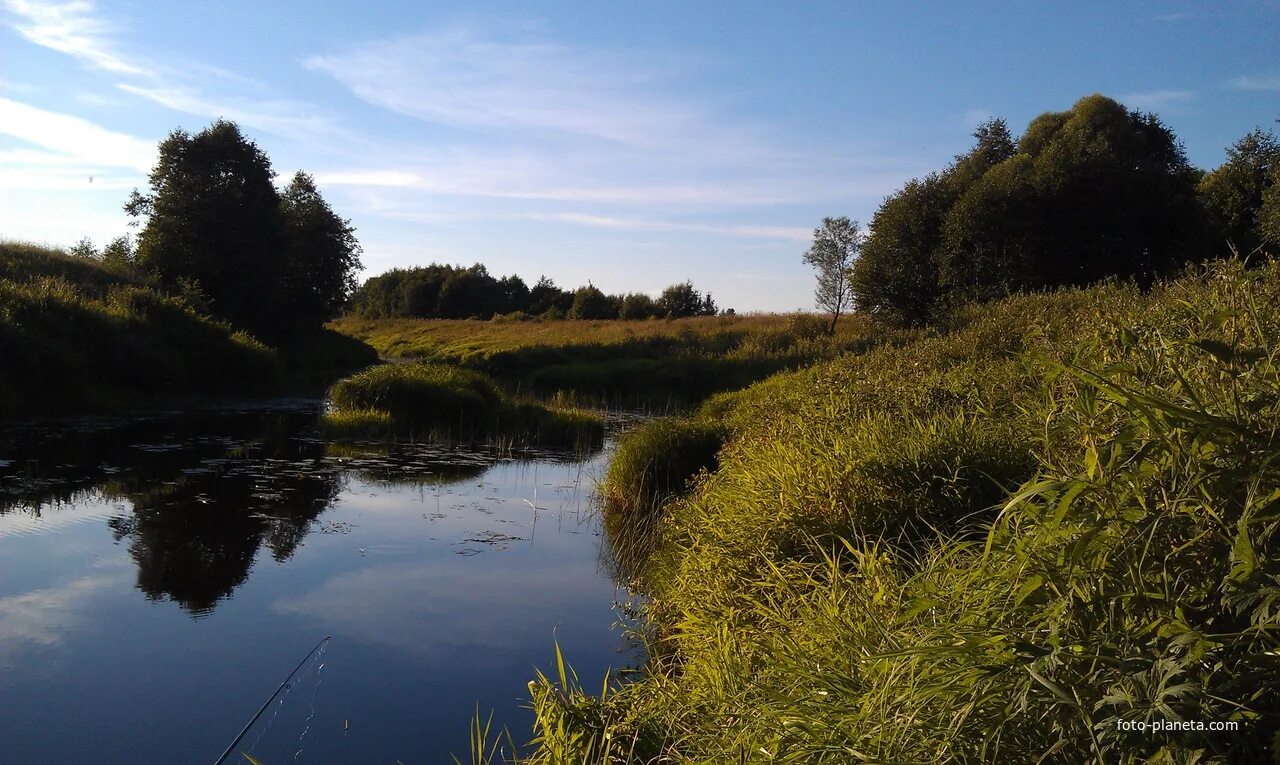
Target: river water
[160,577]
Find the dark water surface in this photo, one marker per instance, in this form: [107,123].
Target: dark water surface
[159,578]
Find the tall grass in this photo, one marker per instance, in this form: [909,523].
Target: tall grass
[105,342]
[450,402]
[1004,541]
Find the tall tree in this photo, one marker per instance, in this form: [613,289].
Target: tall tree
[213,216]
[323,254]
[835,245]
[1092,192]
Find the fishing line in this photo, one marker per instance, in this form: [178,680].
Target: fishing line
[306,724]
[285,682]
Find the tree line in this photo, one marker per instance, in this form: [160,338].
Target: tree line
[1095,192]
[454,292]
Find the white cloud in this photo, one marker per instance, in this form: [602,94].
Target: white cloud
[71,28]
[545,90]
[1257,82]
[70,139]
[1152,100]
[633,224]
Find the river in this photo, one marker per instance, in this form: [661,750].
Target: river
[160,576]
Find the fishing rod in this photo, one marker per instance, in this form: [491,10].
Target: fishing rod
[227,753]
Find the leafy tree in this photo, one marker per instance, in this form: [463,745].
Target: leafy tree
[470,293]
[590,303]
[638,305]
[679,301]
[1233,194]
[1093,192]
[323,254]
[515,294]
[835,244]
[213,216]
[545,296]
[119,253]
[895,276]
[84,249]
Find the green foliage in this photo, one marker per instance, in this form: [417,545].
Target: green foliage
[835,244]
[590,303]
[637,305]
[78,335]
[1084,195]
[214,221]
[1094,192]
[446,401]
[323,254]
[627,363]
[998,541]
[656,460]
[681,300]
[1233,194]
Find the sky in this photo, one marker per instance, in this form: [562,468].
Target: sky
[629,144]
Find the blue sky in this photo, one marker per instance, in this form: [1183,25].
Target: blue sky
[630,144]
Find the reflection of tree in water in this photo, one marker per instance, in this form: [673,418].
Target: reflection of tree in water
[195,540]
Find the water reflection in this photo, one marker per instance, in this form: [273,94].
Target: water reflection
[201,494]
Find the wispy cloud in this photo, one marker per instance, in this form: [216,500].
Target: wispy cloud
[1153,100]
[634,224]
[1264,82]
[71,28]
[463,78]
[74,28]
[71,139]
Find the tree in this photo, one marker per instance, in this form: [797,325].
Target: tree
[1233,194]
[638,305]
[590,303]
[213,216]
[1092,192]
[835,244]
[546,296]
[323,254]
[895,276]
[679,301]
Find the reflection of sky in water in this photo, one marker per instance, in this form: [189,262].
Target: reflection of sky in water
[137,624]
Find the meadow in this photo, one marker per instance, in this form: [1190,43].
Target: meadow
[1017,537]
[653,363]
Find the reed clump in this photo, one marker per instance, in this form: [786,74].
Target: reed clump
[443,401]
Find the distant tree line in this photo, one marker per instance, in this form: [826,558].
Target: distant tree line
[454,292]
[1095,192]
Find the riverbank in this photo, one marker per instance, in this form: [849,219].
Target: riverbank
[80,336]
[1014,538]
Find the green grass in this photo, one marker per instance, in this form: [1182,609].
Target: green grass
[440,401]
[103,341]
[993,543]
[77,336]
[651,363]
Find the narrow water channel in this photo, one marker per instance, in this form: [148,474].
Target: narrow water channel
[160,577]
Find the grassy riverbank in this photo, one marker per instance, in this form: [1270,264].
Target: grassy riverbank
[652,362]
[1009,540]
[78,335]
